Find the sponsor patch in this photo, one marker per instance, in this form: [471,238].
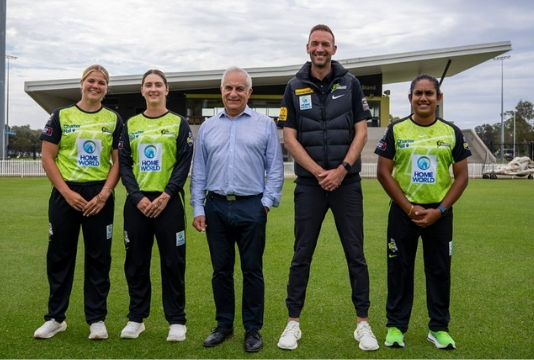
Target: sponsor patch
[365,104]
[392,248]
[424,169]
[109,231]
[190,139]
[150,157]
[304,91]
[466,145]
[180,238]
[126,240]
[381,145]
[305,102]
[47,131]
[283,114]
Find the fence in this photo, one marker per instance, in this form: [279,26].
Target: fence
[29,168]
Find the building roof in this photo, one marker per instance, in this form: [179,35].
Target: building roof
[395,68]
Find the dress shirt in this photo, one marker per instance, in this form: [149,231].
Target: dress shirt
[239,156]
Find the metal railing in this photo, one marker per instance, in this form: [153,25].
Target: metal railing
[29,168]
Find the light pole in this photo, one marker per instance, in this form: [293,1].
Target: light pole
[514,134]
[502,58]
[6,130]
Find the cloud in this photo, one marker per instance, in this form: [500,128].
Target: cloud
[57,40]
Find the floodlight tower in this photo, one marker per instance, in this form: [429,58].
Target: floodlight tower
[502,58]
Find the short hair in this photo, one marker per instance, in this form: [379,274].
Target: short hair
[322,27]
[237,69]
[155,72]
[425,77]
[95,67]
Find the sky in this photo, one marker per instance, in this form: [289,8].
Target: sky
[58,39]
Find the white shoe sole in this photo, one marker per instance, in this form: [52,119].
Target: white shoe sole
[98,336]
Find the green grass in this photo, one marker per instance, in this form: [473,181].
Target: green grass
[492,291]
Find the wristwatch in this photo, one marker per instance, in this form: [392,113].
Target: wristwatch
[443,209]
[346,165]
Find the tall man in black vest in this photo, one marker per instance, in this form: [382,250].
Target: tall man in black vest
[324,118]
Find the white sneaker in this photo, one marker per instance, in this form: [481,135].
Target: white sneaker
[49,329]
[177,332]
[132,330]
[98,331]
[290,336]
[364,335]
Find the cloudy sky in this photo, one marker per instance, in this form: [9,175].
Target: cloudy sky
[57,39]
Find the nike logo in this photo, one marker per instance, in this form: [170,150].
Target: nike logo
[392,255]
[334,97]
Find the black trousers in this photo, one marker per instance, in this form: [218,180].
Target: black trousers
[64,231]
[242,222]
[311,205]
[402,239]
[139,232]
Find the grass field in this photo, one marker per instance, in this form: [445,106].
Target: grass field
[492,287]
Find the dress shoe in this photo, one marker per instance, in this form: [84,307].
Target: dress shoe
[253,341]
[217,336]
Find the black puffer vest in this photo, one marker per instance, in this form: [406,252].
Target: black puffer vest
[326,128]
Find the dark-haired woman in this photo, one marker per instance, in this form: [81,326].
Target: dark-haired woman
[415,155]
[154,164]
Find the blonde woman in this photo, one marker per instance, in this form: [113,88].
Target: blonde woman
[80,157]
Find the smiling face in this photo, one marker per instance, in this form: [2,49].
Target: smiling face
[424,99]
[154,89]
[235,92]
[321,47]
[94,87]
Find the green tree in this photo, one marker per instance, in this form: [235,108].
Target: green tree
[524,129]
[26,141]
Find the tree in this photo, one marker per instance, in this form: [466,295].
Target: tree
[524,129]
[25,142]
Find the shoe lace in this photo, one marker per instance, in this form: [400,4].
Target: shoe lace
[50,325]
[97,327]
[394,331]
[291,330]
[365,330]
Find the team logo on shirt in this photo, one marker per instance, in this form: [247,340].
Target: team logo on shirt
[466,145]
[338,87]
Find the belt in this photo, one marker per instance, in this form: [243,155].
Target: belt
[232,197]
